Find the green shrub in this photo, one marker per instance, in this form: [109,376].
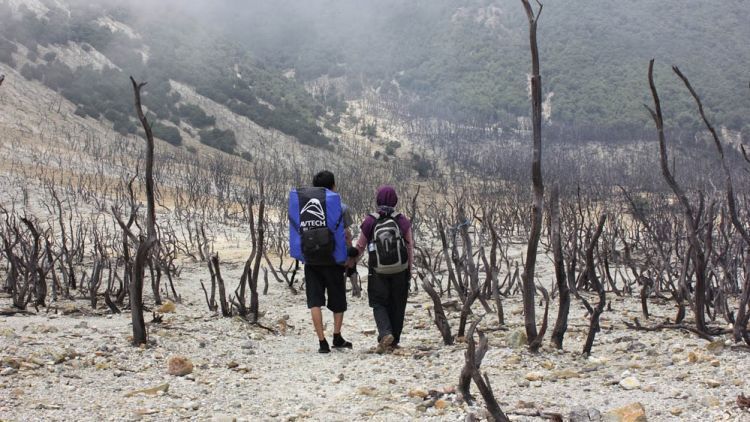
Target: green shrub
[195,116]
[169,134]
[223,140]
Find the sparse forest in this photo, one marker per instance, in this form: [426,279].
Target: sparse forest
[581,256]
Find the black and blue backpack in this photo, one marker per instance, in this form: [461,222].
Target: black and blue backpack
[316,229]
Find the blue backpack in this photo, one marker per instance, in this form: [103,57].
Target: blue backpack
[316,230]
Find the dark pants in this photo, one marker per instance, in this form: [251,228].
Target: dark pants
[387,297]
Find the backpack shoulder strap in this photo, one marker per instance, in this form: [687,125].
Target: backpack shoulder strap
[394,214]
[375,215]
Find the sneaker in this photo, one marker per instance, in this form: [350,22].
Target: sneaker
[324,348]
[384,344]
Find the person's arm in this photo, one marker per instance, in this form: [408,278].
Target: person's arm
[361,245]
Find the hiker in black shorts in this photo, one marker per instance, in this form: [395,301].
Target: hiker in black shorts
[328,280]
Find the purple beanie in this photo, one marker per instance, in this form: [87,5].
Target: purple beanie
[387,196]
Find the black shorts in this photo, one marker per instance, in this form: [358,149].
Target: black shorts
[322,279]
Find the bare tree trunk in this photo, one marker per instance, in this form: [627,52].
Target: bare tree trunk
[740,324]
[225,311]
[536,176]
[471,371]
[561,325]
[441,321]
[254,304]
[691,220]
[144,245]
[594,280]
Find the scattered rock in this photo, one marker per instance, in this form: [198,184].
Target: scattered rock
[70,309]
[8,371]
[713,383]
[715,346]
[634,412]
[418,393]
[676,411]
[248,345]
[367,391]
[517,339]
[179,366]
[711,401]
[150,391]
[630,383]
[441,404]
[564,374]
[581,414]
[191,405]
[10,362]
[166,308]
[534,376]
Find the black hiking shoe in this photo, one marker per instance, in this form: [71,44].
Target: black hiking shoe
[324,348]
[340,343]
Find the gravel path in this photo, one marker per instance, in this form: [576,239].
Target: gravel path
[70,365]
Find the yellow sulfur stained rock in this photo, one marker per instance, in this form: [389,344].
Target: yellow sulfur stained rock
[166,308]
[441,404]
[179,366]
[634,412]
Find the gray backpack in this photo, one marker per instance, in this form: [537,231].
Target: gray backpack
[388,253]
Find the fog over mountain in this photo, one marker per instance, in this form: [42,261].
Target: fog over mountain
[467,60]
[462,61]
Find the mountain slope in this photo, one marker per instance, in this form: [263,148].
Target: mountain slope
[86,52]
[467,60]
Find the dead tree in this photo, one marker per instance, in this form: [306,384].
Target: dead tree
[740,324]
[251,270]
[28,263]
[692,219]
[594,280]
[217,279]
[561,325]
[441,320]
[145,244]
[536,175]
[470,371]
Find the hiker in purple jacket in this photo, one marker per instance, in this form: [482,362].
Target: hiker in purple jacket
[387,288]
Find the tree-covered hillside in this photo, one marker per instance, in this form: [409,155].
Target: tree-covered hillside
[158,51]
[466,60]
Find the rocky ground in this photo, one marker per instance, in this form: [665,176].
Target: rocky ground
[71,364]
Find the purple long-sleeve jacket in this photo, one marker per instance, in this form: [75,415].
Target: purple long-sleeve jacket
[386,200]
